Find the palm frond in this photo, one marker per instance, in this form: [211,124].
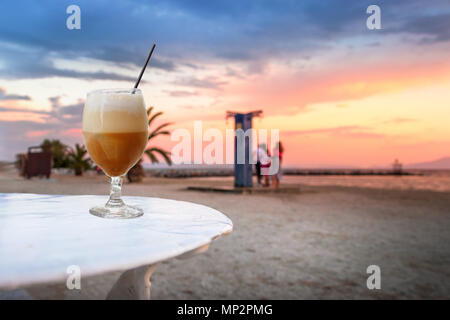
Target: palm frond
[154,132]
[151,156]
[152,152]
[165,154]
[162,132]
[153,117]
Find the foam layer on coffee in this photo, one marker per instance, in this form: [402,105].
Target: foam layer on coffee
[114,112]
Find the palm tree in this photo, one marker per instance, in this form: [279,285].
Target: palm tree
[77,159]
[135,174]
[59,152]
[150,152]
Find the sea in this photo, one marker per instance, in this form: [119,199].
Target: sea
[419,179]
[431,180]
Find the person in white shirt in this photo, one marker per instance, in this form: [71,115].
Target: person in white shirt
[262,161]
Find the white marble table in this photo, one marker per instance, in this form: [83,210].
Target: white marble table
[42,235]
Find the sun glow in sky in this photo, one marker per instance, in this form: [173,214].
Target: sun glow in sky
[340,94]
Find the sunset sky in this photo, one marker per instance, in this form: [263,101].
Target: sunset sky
[340,94]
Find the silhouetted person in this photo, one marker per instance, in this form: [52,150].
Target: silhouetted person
[278,156]
[262,164]
[264,158]
[260,152]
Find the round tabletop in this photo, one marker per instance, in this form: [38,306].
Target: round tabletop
[42,235]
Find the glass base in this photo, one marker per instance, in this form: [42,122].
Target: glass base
[117,212]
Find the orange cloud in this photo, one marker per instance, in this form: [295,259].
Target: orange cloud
[289,93]
[73,132]
[38,133]
[22,116]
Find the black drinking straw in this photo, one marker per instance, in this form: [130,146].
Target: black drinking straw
[145,66]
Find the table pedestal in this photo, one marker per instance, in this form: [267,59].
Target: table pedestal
[133,284]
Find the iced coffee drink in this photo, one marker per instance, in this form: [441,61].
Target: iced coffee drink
[115,130]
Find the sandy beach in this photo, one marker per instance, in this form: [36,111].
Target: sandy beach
[313,245]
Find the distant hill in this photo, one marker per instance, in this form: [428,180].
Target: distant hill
[443,163]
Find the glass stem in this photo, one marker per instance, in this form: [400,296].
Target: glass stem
[115,193]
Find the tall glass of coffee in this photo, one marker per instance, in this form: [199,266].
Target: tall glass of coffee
[115,130]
